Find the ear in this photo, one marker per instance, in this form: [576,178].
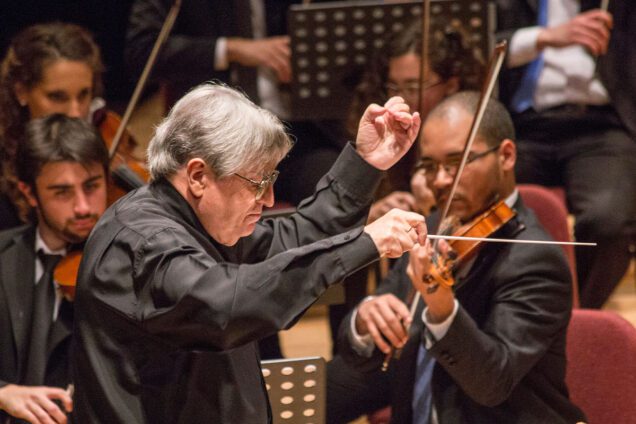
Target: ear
[451,86]
[508,155]
[197,173]
[28,193]
[21,93]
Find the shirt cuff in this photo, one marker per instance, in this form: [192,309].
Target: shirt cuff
[439,330]
[362,345]
[523,46]
[220,55]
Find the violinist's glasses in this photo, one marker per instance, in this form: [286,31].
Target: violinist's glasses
[430,167]
[410,90]
[261,186]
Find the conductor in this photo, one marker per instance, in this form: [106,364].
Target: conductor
[181,278]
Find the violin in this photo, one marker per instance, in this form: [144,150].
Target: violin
[484,225]
[127,172]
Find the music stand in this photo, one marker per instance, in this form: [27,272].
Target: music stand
[296,389]
[333,43]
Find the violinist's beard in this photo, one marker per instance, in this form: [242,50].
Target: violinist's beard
[66,232]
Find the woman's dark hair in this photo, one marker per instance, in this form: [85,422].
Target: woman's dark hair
[449,56]
[58,138]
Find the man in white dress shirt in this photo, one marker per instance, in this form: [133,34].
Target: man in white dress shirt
[570,88]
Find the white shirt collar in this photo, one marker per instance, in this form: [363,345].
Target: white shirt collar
[512,199]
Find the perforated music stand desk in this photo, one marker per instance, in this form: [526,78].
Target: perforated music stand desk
[333,43]
[296,389]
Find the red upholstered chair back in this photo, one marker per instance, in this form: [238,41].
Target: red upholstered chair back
[601,371]
[552,213]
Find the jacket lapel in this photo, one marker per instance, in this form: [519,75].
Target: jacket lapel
[17,265]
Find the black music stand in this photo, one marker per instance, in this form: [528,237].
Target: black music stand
[333,43]
[296,389]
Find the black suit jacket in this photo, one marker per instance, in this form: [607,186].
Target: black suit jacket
[17,267]
[616,68]
[503,358]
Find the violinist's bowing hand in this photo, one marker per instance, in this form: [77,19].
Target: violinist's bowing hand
[386,133]
[397,232]
[385,318]
[440,301]
[35,403]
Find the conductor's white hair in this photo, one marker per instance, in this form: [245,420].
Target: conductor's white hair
[221,126]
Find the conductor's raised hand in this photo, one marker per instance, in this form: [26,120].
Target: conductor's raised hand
[387,132]
[386,318]
[397,232]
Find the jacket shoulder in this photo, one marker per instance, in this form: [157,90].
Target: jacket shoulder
[7,237]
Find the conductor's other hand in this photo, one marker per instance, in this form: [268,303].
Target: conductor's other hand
[386,132]
[35,403]
[589,29]
[397,232]
[272,52]
[385,318]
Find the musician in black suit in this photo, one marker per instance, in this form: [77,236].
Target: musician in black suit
[490,349]
[62,175]
[570,88]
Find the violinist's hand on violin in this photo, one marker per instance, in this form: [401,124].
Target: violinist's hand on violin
[385,318]
[397,232]
[589,29]
[396,200]
[386,132]
[440,302]
[35,403]
[271,52]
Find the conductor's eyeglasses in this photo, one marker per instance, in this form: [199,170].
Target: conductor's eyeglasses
[450,164]
[261,186]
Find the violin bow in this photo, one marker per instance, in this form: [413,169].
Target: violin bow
[494,67]
[161,38]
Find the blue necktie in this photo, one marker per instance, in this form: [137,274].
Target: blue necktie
[422,393]
[523,98]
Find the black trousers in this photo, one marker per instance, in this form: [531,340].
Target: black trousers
[589,152]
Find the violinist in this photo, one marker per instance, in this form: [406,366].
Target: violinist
[453,67]
[49,68]
[62,176]
[490,348]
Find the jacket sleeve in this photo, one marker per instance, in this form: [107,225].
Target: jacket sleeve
[340,202]
[195,302]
